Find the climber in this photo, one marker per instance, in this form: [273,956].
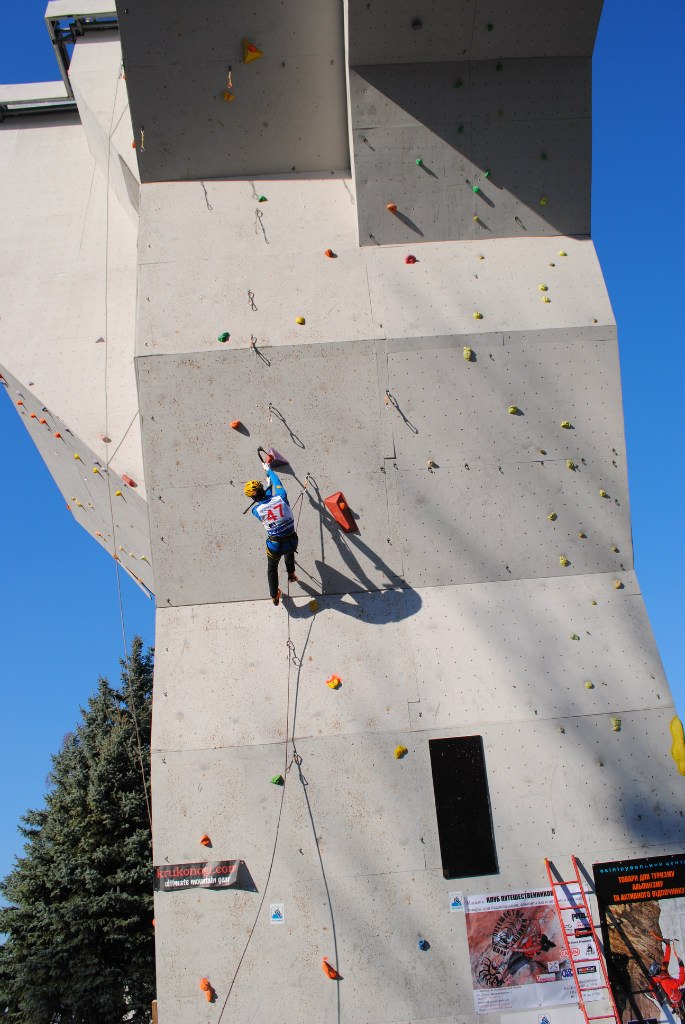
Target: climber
[273,511]
[670,986]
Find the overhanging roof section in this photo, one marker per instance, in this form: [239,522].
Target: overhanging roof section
[286,111]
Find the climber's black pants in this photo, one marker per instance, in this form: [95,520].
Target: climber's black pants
[276,549]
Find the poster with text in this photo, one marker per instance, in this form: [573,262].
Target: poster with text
[642,909]
[519,959]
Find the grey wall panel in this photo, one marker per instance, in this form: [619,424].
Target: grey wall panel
[361,639]
[494,653]
[205,550]
[289,108]
[385,32]
[459,409]
[489,522]
[491,133]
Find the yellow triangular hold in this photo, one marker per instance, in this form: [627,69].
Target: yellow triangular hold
[250,52]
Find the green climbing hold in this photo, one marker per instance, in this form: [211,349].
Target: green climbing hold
[224,337]
[543,155]
[486,174]
[419,162]
[475,188]
[278,780]
[490,27]
[458,84]
[460,129]
[262,199]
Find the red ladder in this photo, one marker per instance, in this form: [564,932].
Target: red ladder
[576,902]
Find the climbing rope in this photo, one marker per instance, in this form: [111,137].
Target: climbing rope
[108,458]
[295,759]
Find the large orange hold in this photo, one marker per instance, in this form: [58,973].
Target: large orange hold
[207,989]
[329,971]
[340,510]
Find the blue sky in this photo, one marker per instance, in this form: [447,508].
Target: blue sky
[58,598]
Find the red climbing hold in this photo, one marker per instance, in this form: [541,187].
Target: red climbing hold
[128,480]
[340,510]
[410,259]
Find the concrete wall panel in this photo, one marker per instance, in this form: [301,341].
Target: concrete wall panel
[490,522]
[459,408]
[385,32]
[360,639]
[295,92]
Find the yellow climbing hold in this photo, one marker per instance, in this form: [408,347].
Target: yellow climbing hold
[77,456]
[614,549]
[616,724]
[543,201]
[570,464]
[542,451]
[400,752]
[476,218]
[513,410]
[228,96]
[618,585]
[477,316]
[594,602]
[250,52]
[117,494]
[552,517]
[299,320]
[582,535]
[545,298]
[96,469]
[603,494]
[313,605]
[542,288]
[566,424]
[562,252]
[481,257]
[678,748]
[589,685]
[468,353]
[563,560]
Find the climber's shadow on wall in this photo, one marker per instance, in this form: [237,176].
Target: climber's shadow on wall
[359,586]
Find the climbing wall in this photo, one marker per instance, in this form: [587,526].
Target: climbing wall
[363,240]
[428,333]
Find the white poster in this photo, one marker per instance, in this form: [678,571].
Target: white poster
[518,953]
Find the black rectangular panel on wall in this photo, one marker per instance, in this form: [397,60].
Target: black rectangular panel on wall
[462,804]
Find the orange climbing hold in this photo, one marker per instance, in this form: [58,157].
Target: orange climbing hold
[206,987]
[335,682]
[329,971]
[57,433]
[391,207]
[330,254]
[340,510]
[20,402]
[236,424]
[42,420]
[33,415]
[205,840]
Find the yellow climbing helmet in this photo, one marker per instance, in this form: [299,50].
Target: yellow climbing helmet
[253,487]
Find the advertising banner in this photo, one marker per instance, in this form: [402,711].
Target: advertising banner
[519,957]
[642,909]
[218,874]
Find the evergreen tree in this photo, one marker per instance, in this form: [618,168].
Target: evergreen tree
[79,943]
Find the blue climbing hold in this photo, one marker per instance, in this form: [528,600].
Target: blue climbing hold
[424,945]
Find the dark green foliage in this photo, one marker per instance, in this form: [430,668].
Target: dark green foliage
[79,940]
